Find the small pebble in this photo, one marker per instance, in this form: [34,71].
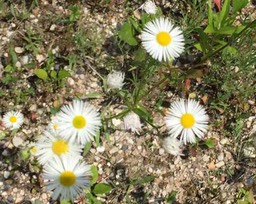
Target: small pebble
[10,198]
[17,141]
[24,60]
[18,64]
[19,50]
[220,164]
[161,151]
[6,174]
[40,58]
[220,157]
[224,141]
[206,158]
[101,149]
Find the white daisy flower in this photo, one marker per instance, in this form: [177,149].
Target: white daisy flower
[173,146]
[161,40]
[132,122]
[115,80]
[66,177]
[149,7]
[188,118]
[78,122]
[13,120]
[51,145]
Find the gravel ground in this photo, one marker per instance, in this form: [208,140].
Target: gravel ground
[201,175]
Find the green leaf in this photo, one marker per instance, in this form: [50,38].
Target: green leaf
[171,197]
[87,148]
[24,154]
[239,4]
[53,74]
[65,202]
[93,95]
[63,74]
[142,112]
[13,56]
[230,50]
[139,55]
[91,199]
[9,68]
[37,201]
[101,188]
[145,179]
[209,28]
[198,46]
[224,12]
[126,34]
[42,74]
[210,143]
[229,30]
[95,174]
[204,41]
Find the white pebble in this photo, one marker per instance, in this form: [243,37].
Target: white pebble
[220,157]
[101,149]
[17,141]
[161,151]
[220,164]
[19,50]
[6,174]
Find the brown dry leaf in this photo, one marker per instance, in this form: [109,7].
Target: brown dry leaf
[211,165]
[136,13]
[204,98]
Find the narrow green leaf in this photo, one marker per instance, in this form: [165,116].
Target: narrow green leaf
[42,74]
[238,5]
[101,188]
[87,148]
[93,95]
[224,12]
[13,56]
[95,174]
[203,40]
[171,197]
[209,28]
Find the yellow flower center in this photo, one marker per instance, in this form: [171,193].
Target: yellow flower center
[187,120]
[13,119]
[164,38]
[67,178]
[59,147]
[33,150]
[79,122]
